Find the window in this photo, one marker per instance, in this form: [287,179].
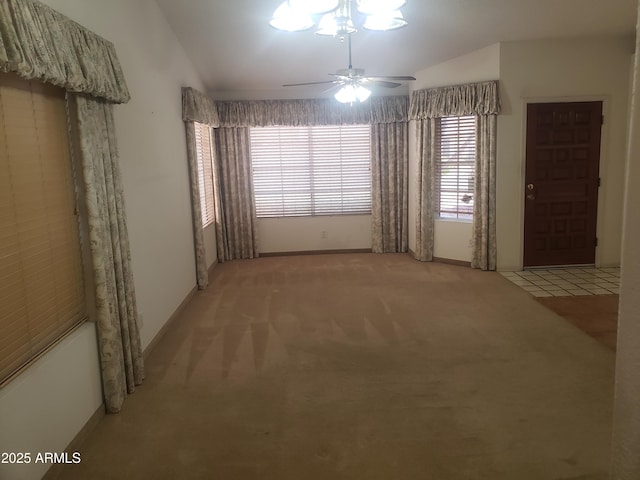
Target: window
[205,171]
[455,167]
[319,170]
[41,272]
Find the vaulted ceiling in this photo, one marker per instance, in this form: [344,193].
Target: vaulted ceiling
[235,51]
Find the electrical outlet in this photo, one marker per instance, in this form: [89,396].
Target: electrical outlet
[324,234]
[471,243]
[140,320]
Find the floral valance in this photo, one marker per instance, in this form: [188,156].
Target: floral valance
[198,107]
[262,113]
[38,42]
[471,99]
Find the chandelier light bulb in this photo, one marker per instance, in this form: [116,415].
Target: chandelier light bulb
[352,93]
[346,94]
[385,21]
[362,93]
[290,20]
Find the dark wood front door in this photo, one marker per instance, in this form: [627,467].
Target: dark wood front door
[561,183]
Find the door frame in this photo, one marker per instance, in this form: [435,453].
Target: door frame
[604,147]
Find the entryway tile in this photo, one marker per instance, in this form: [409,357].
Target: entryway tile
[567,281]
[579,292]
[541,294]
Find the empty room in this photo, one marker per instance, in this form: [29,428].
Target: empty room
[329,239]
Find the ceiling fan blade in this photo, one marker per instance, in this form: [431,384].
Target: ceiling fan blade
[382,83]
[308,83]
[333,88]
[391,77]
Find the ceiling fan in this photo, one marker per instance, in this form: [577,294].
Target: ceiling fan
[352,82]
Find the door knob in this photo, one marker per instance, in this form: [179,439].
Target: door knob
[531,196]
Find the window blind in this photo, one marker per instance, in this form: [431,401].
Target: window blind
[41,276]
[313,170]
[455,167]
[204,153]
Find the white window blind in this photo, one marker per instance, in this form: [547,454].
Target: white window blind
[455,167]
[41,275]
[315,170]
[204,152]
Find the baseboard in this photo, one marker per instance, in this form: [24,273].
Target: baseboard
[162,332]
[449,261]
[55,470]
[314,252]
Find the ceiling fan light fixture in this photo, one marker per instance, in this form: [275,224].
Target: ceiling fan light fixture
[350,93]
[385,21]
[377,7]
[290,20]
[314,7]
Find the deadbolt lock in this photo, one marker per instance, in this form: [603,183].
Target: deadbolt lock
[530,186]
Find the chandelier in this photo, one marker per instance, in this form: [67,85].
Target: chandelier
[335,16]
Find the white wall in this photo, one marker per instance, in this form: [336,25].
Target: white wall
[562,70]
[479,66]
[44,408]
[626,424]
[295,234]
[451,238]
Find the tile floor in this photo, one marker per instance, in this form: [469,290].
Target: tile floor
[564,282]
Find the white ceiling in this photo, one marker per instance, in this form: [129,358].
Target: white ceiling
[235,50]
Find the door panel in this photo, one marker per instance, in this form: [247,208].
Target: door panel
[561,183]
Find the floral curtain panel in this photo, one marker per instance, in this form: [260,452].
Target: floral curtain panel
[484,252]
[483,101]
[235,215]
[200,108]
[118,336]
[234,205]
[37,42]
[293,113]
[202,272]
[470,99]
[389,187]
[426,142]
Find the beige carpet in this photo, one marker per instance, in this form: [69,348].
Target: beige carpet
[362,367]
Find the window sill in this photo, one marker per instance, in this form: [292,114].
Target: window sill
[454,220]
